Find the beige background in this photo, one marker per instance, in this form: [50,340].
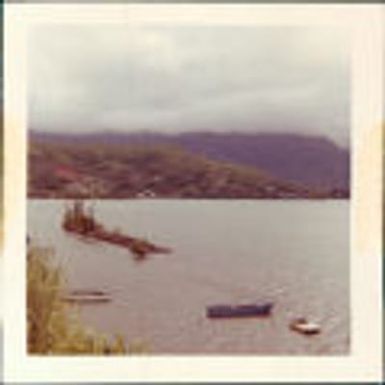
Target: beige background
[365,24]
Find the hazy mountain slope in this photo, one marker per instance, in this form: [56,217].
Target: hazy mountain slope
[313,161]
[69,169]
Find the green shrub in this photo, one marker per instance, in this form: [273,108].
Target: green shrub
[54,328]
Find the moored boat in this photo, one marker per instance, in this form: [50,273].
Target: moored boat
[303,326]
[84,296]
[233,311]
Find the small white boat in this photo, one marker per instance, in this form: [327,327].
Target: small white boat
[302,325]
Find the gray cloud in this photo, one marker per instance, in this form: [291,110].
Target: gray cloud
[174,79]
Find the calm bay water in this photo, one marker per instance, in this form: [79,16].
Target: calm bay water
[295,253]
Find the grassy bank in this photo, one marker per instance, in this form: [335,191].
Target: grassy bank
[53,327]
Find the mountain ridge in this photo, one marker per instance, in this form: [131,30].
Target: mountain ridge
[314,161]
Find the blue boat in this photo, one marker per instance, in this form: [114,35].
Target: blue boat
[227,311]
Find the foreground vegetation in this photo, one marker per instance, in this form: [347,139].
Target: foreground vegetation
[53,327]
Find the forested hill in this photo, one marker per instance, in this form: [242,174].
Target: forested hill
[200,165]
[314,161]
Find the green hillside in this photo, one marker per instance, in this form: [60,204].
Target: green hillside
[96,170]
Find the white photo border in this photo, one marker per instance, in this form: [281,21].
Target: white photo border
[364,363]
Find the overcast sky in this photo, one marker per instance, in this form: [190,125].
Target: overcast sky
[177,79]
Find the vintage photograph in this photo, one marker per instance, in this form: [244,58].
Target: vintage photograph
[188,190]
[193,193]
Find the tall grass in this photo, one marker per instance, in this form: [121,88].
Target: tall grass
[53,327]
